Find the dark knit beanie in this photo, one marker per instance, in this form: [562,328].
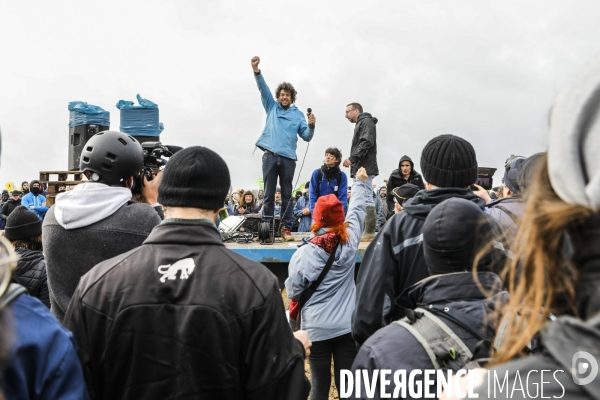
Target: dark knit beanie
[22,224]
[405,192]
[194,177]
[449,161]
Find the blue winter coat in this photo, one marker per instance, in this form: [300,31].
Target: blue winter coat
[326,187]
[281,126]
[327,314]
[38,202]
[43,361]
[304,221]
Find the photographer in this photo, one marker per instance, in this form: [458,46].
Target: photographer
[97,220]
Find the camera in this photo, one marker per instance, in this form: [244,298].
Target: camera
[484,178]
[156,156]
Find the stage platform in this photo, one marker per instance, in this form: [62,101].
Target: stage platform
[277,256]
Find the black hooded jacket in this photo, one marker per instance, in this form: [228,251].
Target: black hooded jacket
[397,179]
[363,152]
[8,207]
[31,271]
[394,348]
[394,261]
[184,317]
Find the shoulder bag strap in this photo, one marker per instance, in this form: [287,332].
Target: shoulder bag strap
[309,291]
[14,290]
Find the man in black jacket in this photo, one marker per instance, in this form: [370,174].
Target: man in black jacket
[404,174]
[394,259]
[363,153]
[182,316]
[453,234]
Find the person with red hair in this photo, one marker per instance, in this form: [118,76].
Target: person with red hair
[326,315]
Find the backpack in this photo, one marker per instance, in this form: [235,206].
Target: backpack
[444,348]
[338,177]
[14,290]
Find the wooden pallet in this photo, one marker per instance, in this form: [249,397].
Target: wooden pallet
[56,178]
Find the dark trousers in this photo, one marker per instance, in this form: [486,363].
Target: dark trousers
[274,167]
[343,350]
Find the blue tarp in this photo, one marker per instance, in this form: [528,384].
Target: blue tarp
[142,120]
[82,113]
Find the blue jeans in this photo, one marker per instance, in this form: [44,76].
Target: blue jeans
[274,167]
[369,183]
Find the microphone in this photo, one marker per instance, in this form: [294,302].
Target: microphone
[309,111]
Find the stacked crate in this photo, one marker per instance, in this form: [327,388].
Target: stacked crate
[67,178]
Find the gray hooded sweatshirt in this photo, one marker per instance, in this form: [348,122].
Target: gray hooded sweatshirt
[90,224]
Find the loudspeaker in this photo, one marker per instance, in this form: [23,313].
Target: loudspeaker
[78,137]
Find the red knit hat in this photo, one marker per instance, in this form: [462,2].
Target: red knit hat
[328,211]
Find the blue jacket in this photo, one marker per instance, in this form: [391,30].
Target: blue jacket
[281,126]
[43,361]
[327,314]
[326,187]
[38,202]
[304,221]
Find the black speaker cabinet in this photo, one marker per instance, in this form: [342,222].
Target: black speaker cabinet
[78,137]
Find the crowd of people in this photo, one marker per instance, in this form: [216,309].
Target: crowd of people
[111,298]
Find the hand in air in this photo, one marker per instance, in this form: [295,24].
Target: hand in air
[362,174]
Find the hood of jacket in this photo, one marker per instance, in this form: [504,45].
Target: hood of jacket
[469,300]
[366,115]
[442,288]
[407,158]
[424,201]
[89,203]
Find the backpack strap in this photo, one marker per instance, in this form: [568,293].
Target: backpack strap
[338,176]
[510,214]
[14,290]
[444,348]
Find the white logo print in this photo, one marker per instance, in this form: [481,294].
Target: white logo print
[580,368]
[186,266]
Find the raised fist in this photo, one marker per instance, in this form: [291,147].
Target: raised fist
[255,61]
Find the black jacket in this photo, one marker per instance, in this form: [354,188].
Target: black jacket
[31,271]
[396,179]
[394,348]
[394,261]
[8,207]
[363,152]
[145,331]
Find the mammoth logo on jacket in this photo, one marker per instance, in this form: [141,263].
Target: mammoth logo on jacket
[186,266]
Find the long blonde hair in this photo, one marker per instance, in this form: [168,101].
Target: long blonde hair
[540,279]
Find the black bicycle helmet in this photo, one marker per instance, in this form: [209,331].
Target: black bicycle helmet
[111,157]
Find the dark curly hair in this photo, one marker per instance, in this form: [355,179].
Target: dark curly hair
[334,151]
[288,87]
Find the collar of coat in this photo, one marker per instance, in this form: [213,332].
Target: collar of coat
[450,287]
[185,231]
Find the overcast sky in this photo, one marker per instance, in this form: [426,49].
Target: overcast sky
[486,71]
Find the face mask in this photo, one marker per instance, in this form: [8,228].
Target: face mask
[35,191]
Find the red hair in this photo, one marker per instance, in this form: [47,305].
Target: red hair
[340,231]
